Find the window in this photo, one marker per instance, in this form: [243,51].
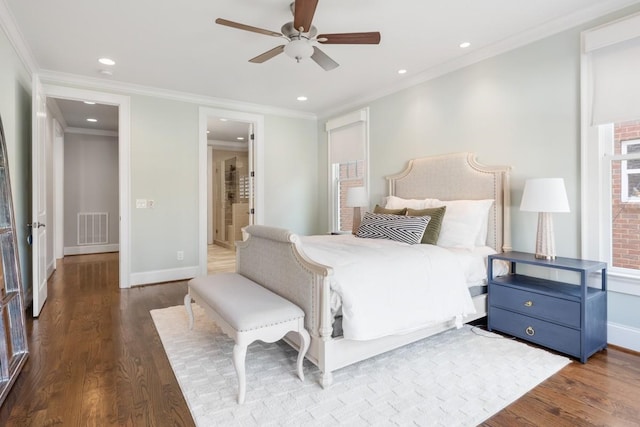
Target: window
[348,141]
[630,169]
[611,150]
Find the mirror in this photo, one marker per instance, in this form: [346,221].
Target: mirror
[13,337]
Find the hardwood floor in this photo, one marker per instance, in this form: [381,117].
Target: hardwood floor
[96,360]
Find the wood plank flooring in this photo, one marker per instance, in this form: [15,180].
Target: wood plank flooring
[96,360]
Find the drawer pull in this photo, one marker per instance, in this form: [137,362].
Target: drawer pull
[530,331]
[528,303]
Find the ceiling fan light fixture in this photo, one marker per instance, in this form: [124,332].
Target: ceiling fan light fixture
[299,49]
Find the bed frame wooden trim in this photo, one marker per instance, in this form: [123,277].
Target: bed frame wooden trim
[275,258]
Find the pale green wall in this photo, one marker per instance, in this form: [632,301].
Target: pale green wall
[15,109]
[291,182]
[521,108]
[164,165]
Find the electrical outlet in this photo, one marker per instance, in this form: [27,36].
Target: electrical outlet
[180,255]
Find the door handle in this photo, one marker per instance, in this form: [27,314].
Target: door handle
[36,225]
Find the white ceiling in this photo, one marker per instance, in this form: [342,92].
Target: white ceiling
[176,45]
[76,113]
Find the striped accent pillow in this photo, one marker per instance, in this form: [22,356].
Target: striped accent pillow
[407,229]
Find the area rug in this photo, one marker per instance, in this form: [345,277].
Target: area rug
[457,378]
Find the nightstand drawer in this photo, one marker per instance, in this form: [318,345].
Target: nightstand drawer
[534,304]
[560,338]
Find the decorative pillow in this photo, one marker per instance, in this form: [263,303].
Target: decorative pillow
[407,229]
[432,232]
[465,224]
[381,210]
[394,202]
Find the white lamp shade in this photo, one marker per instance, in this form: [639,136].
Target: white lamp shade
[357,196]
[544,195]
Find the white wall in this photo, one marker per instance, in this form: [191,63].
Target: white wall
[90,183]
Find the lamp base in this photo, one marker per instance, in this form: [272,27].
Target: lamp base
[545,243]
[357,217]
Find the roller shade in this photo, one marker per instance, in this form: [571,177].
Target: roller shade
[614,52]
[347,143]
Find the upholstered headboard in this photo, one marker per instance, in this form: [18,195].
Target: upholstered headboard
[459,176]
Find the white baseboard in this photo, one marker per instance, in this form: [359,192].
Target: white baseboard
[623,336]
[93,249]
[159,276]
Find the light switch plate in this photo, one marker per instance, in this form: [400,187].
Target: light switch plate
[141,203]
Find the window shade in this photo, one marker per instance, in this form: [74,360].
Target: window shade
[347,143]
[614,52]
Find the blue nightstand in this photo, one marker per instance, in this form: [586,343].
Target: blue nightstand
[569,318]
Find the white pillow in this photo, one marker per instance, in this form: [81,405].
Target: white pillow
[394,202]
[465,223]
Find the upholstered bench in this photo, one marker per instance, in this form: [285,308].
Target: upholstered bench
[246,312]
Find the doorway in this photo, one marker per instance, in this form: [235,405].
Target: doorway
[119,107]
[85,158]
[231,184]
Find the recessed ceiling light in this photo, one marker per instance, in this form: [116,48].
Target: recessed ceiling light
[92,120]
[106,72]
[107,61]
[240,138]
[403,71]
[465,45]
[301,98]
[89,102]
[223,120]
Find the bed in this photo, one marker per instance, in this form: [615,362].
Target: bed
[276,258]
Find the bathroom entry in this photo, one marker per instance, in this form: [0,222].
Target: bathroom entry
[230,192]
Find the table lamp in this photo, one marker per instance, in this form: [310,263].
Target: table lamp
[357,197]
[545,195]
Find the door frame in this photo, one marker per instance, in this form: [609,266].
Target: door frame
[124,163]
[257,184]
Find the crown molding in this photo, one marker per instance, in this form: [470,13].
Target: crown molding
[59,78]
[228,145]
[95,132]
[524,38]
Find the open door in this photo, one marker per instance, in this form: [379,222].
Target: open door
[39,196]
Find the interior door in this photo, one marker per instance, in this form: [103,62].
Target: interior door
[39,196]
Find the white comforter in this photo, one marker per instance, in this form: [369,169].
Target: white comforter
[388,287]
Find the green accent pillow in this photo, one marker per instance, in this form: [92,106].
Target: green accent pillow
[432,232]
[380,210]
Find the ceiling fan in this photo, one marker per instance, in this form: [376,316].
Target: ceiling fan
[302,37]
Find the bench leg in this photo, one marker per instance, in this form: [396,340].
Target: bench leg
[305,340]
[239,354]
[187,306]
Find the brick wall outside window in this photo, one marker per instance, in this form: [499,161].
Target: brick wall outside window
[625,216]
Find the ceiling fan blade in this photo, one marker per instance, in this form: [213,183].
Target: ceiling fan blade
[267,55]
[303,14]
[350,38]
[323,60]
[239,26]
